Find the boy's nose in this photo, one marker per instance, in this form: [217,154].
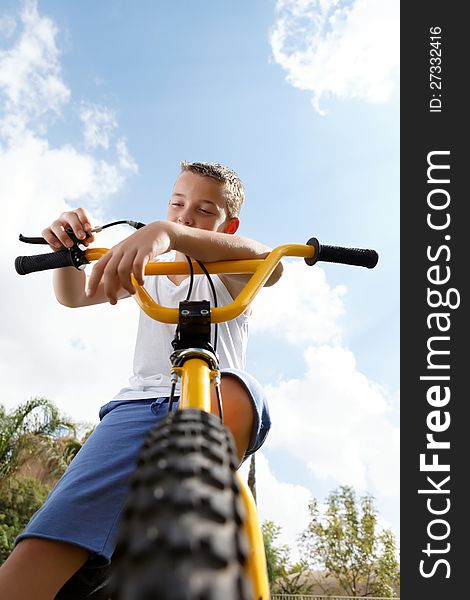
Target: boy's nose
[185,219]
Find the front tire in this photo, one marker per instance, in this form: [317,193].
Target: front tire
[181,535]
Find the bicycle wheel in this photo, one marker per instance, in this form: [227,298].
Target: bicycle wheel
[181,535]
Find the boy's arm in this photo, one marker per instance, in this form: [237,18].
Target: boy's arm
[69,283]
[211,246]
[132,254]
[70,289]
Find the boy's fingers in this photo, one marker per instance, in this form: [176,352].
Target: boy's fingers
[84,231]
[58,231]
[113,295]
[124,270]
[89,239]
[77,220]
[51,239]
[114,269]
[58,234]
[139,268]
[97,274]
[111,275]
[84,218]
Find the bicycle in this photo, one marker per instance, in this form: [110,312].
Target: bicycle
[190,528]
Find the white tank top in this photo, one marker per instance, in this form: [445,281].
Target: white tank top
[151,378]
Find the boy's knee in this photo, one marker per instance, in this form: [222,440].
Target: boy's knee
[238,411]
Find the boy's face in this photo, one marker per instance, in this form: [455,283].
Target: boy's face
[198,202]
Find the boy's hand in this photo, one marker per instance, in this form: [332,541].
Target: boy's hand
[78,220]
[129,257]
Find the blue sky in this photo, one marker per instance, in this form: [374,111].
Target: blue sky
[101,100]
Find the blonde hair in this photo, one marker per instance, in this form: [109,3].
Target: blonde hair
[234,192]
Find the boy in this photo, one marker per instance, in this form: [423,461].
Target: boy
[76,527]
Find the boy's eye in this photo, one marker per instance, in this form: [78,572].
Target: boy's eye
[203,210]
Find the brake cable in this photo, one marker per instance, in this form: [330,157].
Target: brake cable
[214,295]
[172,399]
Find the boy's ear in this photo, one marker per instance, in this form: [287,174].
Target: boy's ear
[233,225]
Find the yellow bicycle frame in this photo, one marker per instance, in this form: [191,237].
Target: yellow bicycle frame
[196,374]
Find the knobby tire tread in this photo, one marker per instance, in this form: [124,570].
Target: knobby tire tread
[181,534]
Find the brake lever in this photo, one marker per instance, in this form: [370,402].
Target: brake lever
[32,240]
[76,241]
[68,230]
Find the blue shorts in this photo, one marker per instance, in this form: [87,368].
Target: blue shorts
[85,505]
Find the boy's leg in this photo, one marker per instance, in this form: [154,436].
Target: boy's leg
[238,410]
[37,568]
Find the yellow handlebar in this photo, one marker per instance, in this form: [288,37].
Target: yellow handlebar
[261,269]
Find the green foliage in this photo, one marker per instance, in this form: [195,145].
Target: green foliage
[277,557]
[388,568]
[27,427]
[295,581]
[345,541]
[283,578]
[34,439]
[252,476]
[20,497]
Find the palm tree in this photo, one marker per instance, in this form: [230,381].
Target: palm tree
[252,476]
[31,430]
[36,445]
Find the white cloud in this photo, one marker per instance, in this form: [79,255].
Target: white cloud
[284,503]
[338,422]
[99,122]
[126,162]
[316,306]
[77,357]
[345,48]
[7,25]
[30,82]
[331,417]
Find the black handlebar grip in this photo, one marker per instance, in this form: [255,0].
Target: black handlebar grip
[360,257]
[43,262]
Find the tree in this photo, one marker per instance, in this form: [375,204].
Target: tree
[20,497]
[252,476]
[46,458]
[283,577]
[344,540]
[30,428]
[277,557]
[36,445]
[295,581]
